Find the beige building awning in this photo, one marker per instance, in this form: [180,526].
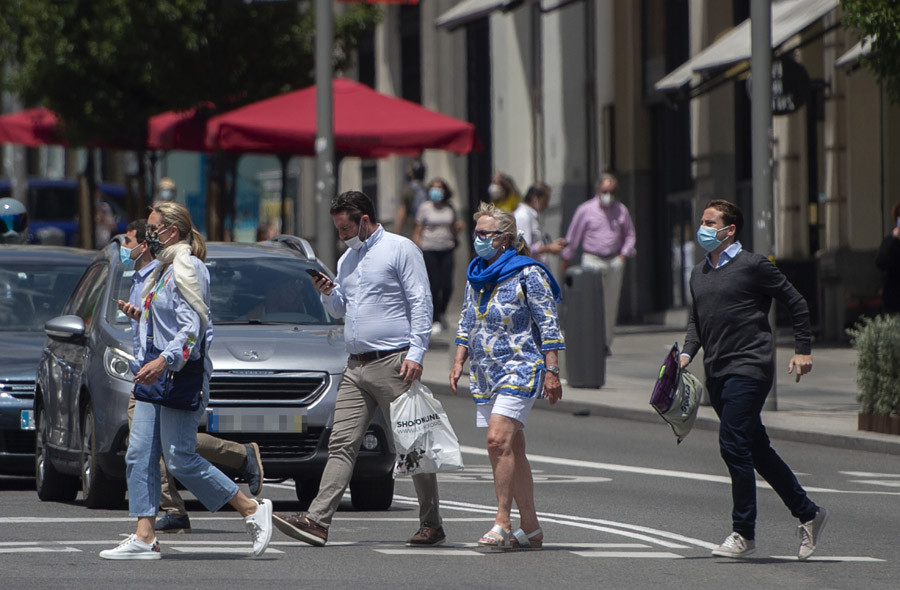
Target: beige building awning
[850,60]
[789,17]
[469,10]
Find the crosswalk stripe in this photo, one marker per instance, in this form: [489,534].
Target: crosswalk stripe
[832,558]
[433,552]
[39,550]
[630,554]
[217,550]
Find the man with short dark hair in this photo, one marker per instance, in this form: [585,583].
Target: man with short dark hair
[732,291]
[382,292]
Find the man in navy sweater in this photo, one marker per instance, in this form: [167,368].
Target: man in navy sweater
[732,292]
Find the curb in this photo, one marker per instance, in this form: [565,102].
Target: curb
[843,441]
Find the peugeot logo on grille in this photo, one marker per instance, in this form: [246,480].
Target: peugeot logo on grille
[251,355]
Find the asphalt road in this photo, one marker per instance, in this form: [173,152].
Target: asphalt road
[621,505]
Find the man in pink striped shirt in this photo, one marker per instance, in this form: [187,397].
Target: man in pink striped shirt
[602,228]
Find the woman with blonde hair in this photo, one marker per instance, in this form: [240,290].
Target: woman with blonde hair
[509,330]
[175,330]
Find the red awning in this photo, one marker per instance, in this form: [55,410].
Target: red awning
[179,130]
[31,127]
[367,124]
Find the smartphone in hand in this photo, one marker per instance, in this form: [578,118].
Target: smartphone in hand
[317,274]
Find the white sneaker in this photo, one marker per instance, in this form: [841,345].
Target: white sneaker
[735,545]
[133,548]
[809,533]
[259,525]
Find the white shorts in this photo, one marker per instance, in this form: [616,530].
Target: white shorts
[511,406]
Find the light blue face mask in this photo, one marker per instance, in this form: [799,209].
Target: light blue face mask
[484,247]
[706,237]
[436,194]
[125,257]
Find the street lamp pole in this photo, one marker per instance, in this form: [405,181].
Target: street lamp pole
[761,121]
[325,182]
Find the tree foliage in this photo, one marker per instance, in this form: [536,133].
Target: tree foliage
[106,66]
[880,20]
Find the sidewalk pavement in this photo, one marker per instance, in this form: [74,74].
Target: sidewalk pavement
[820,409]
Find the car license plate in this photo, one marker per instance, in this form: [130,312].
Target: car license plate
[26,419]
[255,420]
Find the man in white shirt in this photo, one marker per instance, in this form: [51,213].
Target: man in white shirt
[381,291]
[528,222]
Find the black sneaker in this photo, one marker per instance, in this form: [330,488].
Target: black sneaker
[252,470]
[173,524]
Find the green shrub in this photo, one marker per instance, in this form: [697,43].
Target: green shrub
[877,343]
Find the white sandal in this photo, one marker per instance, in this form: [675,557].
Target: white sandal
[494,543]
[523,542]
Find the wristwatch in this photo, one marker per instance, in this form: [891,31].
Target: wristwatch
[554,370]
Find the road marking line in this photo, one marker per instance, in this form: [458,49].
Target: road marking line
[875,482]
[222,550]
[868,474]
[829,558]
[40,550]
[433,551]
[630,554]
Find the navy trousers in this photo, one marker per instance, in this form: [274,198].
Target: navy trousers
[745,446]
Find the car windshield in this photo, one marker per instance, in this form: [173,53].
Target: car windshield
[254,291]
[34,292]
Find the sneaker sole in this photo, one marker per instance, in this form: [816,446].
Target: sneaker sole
[296,533]
[262,473]
[718,553]
[132,556]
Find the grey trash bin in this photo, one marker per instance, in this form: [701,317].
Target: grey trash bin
[584,327]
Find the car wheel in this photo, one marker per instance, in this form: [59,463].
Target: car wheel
[307,489]
[100,490]
[51,485]
[372,494]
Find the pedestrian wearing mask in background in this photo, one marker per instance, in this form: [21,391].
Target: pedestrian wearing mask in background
[732,292]
[437,227]
[412,197]
[509,330]
[245,459]
[381,291]
[602,228]
[503,192]
[166,190]
[527,214]
[175,330]
[888,260]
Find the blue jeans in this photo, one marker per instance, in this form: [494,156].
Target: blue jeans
[157,430]
[745,446]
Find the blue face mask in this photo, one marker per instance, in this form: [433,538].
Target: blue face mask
[484,247]
[706,237]
[125,257]
[436,194]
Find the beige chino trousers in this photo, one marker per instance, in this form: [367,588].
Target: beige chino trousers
[365,387]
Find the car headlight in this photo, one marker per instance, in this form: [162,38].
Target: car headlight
[117,363]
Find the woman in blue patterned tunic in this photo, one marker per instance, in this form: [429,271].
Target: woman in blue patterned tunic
[174,318]
[509,330]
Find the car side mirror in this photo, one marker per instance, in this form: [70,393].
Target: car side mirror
[65,328]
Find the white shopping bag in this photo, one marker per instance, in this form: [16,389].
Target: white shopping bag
[423,436]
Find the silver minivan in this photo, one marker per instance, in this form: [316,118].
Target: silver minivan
[277,363]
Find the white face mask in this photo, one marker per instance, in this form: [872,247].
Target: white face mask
[355,243]
[606,199]
[495,191]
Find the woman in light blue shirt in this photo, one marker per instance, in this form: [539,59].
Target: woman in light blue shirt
[509,330]
[174,319]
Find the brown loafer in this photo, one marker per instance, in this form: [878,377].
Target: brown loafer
[427,536]
[300,527]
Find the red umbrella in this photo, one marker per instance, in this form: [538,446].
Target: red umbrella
[367,124]
[31,127]
[179,130]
